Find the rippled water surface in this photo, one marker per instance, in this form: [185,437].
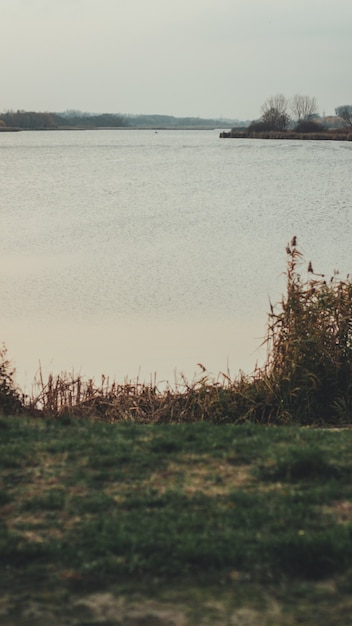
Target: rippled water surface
[126,252]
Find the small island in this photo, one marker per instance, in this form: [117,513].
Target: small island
[304,123]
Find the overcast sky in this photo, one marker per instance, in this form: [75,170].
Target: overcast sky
[206,58]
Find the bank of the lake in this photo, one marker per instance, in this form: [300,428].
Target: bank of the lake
[329,135]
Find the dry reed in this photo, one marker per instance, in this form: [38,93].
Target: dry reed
[328,135]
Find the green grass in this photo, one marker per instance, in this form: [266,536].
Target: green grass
[246,512]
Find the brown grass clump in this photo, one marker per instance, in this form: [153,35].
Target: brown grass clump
[309,365]
[203,399]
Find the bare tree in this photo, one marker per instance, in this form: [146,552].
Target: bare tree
[345,112]
[275,113]
[303,107]
[278,102]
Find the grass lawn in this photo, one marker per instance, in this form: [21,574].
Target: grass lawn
[173,525]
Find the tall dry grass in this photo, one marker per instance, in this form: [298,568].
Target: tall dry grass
[309,365]
[202,399]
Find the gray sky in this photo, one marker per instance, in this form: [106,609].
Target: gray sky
[202,58]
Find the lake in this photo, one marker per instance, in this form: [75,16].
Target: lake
[140,254]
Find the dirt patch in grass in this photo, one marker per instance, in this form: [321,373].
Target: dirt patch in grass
[200,473]
[109,608]
[243,605]
[341,511]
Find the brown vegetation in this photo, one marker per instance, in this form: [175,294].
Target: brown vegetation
[336,134]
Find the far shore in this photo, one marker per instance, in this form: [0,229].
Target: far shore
[155,129]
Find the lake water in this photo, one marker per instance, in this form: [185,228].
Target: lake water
[131,253]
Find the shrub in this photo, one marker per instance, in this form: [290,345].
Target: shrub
[9,396]
[309,365]
[309,126]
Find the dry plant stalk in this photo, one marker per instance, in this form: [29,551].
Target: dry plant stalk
[310,343]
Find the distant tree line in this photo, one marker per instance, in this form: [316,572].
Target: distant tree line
[88,120]
[169,121]
[30,120]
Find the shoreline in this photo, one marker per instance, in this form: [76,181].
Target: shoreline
[156,129]
[329,135]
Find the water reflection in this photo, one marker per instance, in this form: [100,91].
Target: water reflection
[160,350]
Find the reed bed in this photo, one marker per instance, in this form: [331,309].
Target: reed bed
[202,399]
[309,364]
[328,135]
[307,377]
